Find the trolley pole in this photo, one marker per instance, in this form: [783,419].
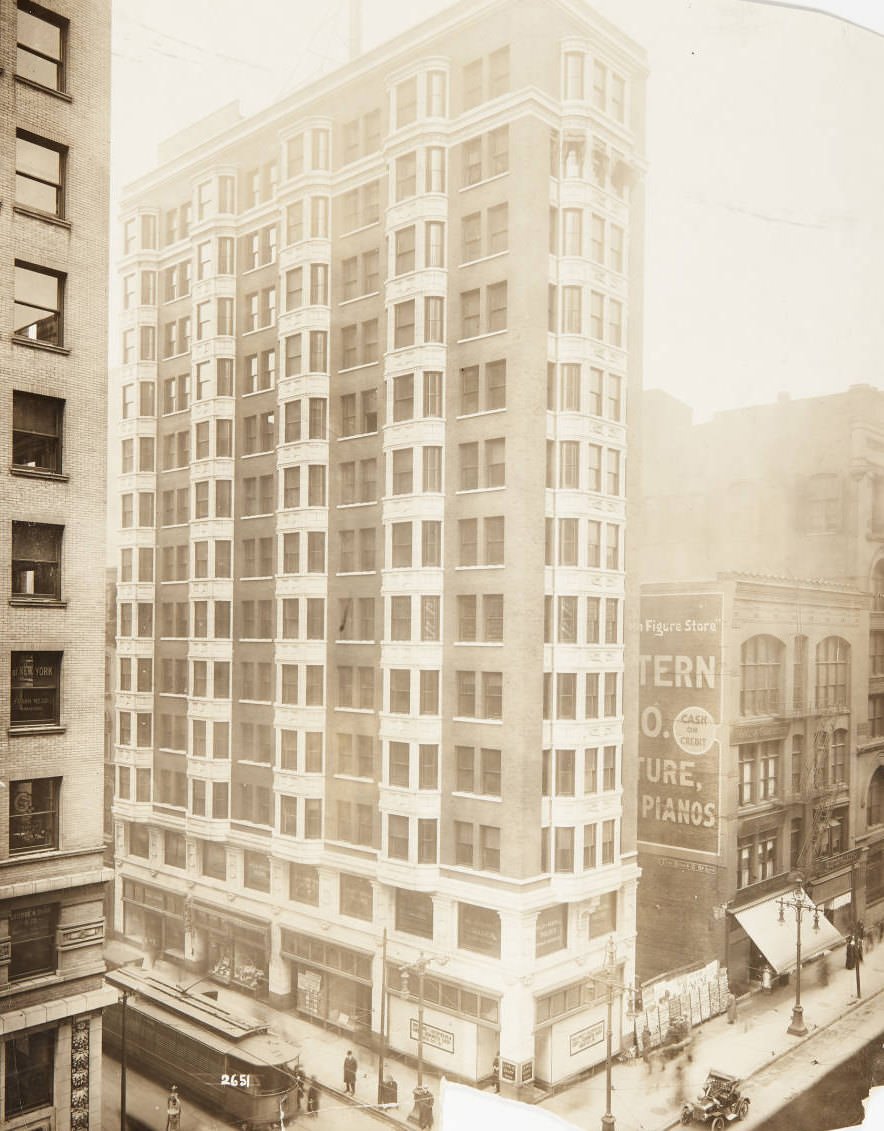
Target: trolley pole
[123,999]
[383,1027]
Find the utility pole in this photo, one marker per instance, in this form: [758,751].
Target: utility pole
[858,952]
[383,1048]
[420,1022]
[123,999]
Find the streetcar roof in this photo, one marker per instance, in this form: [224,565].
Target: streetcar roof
[203,1020]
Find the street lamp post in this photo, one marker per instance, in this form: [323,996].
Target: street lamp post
[613,988]
[608,1117]
[799,903]
[422,1098]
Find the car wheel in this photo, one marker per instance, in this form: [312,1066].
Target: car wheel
[686,1114]
[743,1109]
[718,1123]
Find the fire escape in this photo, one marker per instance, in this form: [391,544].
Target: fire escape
[819,792]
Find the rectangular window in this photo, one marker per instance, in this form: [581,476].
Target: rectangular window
[32,938]
[37,311]
[406,176]
[403,324]
[404,250]
[35,689]
[33,815]
[497,307]
[36,561]
[41,46]
[29,1070]
[39,174]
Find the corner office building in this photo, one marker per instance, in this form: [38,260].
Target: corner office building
[54,84]
[378,346]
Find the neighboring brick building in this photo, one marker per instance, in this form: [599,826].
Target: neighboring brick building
[54,115]
[752,697]
[377,364]
[786,491]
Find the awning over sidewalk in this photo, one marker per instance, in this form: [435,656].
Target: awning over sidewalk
[776,940]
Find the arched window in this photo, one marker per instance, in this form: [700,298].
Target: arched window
[832,672]
[761,670]
[875,811]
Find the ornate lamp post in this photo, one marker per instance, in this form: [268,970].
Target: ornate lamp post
[799,903]
[422,1097]
[613,988]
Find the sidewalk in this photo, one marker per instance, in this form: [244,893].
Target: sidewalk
[644,1101]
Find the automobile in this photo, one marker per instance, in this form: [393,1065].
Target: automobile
[720,1102]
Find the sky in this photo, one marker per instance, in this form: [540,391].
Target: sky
[764,228]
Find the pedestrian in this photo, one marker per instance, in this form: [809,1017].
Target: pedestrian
[824,969]
[350,1067]
[679,1079]
[495,1071]
[850,953]
[173,1110]
[646,1047]
[312,1098]
[298,1089]
[731,1008]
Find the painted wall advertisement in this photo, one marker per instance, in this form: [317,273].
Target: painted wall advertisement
[680,693]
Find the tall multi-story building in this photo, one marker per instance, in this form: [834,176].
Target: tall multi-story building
[378,349]
[791,495]
[54,121]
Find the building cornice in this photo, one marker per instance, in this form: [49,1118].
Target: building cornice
[618,47]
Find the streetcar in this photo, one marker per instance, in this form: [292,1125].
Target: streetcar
[225,1063]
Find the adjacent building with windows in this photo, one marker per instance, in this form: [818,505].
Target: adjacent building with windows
[752,704]
[788,491]
[54,110]
[377,363]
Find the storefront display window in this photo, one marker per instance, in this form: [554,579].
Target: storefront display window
[447,995]
[331,982]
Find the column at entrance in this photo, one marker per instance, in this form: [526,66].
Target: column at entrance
[516,1054]
[279,975]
